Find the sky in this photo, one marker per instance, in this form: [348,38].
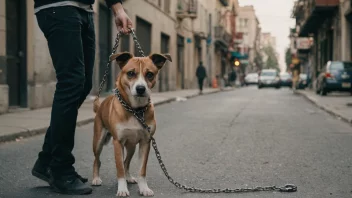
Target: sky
[274,17]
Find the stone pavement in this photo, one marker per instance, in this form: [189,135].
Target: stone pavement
[15,126]
[337,104]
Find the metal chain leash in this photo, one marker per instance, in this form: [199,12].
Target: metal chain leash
[108,64]
[139,115]
[116,45]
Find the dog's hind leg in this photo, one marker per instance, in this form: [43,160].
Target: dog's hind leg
[130,152]
[99,138]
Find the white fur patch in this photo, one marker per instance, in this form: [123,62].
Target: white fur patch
[122,190]
[132,95]
[143,187]
[97,181]
[132,131]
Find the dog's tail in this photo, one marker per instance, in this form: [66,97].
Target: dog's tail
[96,104]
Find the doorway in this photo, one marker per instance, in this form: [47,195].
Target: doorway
[16,38]
[144,35]
[164,73]
[180,62]
[104,45]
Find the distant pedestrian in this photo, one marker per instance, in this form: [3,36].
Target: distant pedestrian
[232,77]
[201,74]
[295,71]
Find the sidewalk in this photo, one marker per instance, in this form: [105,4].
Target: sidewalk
[337,104]
[14,126]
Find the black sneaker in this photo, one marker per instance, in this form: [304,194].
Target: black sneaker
[41,171]
[70,185]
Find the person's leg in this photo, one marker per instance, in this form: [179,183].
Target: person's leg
[41,166]
[201,84]
[88,38]
[62,27]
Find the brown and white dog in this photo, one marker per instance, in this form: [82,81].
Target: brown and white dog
[134,82]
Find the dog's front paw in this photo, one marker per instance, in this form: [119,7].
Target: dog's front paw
[122,193]
[122,190]
[97,181]
[146,192]
[131,180]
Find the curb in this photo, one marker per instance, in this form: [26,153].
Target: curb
[26,133]
[326,109]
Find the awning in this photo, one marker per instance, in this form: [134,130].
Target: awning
[238,55]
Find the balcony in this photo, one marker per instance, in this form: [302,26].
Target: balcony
[221,36]
[187,9]
[314,13]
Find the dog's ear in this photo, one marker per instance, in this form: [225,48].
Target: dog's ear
[160,59]
[121,58]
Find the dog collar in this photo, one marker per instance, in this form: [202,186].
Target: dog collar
[137,111]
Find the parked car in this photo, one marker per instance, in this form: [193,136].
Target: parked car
[335,76]
[269,78]
[303,81]
[251,79]
[286,79]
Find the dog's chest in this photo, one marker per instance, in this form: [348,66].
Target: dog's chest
[130,130]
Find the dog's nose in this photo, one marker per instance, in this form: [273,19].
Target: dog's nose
[140,89]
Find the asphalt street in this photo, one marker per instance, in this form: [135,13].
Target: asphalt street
[242,138]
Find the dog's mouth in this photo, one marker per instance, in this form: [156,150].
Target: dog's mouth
[141,96]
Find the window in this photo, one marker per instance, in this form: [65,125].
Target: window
[341,66]
[245,23]
[303,76]
[267,73]
[167,6]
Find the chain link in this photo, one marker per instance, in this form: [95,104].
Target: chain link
[108,64]
[139,115]
[137,43]
[116,45]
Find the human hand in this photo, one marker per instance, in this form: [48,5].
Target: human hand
[122,21]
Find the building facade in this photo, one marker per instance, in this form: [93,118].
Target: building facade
[224,35]
[249,27]
[268,40]
[186,29]
[322,33]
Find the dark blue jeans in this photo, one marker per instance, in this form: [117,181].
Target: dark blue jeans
[71,41]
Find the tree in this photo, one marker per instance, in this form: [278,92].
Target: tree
[258,59]
[288,58]
[271,62]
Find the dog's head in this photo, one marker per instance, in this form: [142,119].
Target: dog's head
[138,75]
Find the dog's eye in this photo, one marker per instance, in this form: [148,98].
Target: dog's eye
[131,74]
[150,75]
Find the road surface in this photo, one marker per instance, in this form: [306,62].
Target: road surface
[242,138]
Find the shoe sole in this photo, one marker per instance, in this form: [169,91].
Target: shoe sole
[40,176]
[68,192]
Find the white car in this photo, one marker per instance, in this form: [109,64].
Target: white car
[269,78]
[251,79]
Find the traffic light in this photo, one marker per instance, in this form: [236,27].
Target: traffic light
[236,63]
